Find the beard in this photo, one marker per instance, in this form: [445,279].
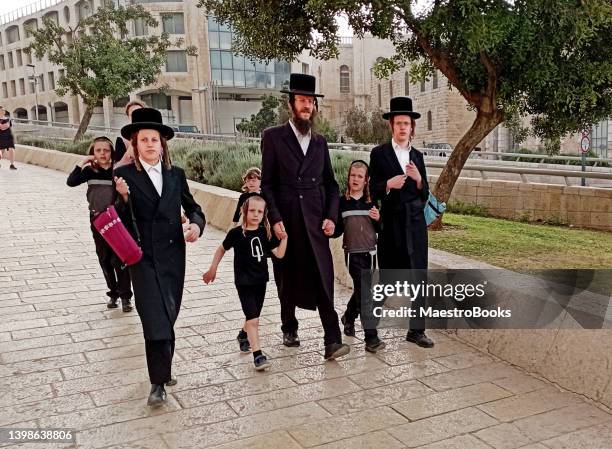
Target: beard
[303,125]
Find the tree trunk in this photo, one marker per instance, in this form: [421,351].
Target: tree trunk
[84,123]
[482,126]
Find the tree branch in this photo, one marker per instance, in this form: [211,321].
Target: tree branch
[491,89]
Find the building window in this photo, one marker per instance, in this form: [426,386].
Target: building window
[173,23]
[305,68]
[406,84]
[19,58]
[229,69]
[51,76]
[422,85]
[140,27]
[41,83]
[21,86]
[157,101]
[599,138]
[379,96]
[66,14]
[2,66]
[83,10]
[390,88]
[176,61]
[10,57]
[29,27]
[345,79]
[53,16]
[28,57]
[4,90]
[13,88]
[435,80]
[12,34]
[429,121]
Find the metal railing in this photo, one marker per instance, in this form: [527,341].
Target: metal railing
[27,10]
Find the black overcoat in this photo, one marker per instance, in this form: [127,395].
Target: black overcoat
[159,277]
[402,241]
[302,192]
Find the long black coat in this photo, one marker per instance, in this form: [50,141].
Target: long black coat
[159,277]
[301,191]
[402,241]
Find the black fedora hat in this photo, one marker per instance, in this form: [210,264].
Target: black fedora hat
[147,118]
[401,106]
[302,84]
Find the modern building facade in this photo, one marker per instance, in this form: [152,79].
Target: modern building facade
[214,90]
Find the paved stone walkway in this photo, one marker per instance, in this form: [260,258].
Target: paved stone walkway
[67,361]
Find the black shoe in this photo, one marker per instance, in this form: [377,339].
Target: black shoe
[172,382]
[126,305]
[291,339]
[12,167]
[112,303]
[336,350]
[420,339]
[157,396]
[374,345]
[243,342]
[349,328]
[261,362]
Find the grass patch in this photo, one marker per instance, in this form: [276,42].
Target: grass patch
[522,246]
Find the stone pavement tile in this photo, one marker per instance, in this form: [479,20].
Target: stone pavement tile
[469,376]
[30,379]
[142,428]
[121,352]
[459,442]
[18,325]
[373,440]
[51,294]
[117,341]
[96,334]
[346,426]
[155,442]
[17,309]
[595,437]
[15,396]
[393,374]
[464,360]
[40,342]
[528,404]
[246,426]
[274,440]
[32,366]
[124,320]
[249,405]
[50,351]
[106,415]
[520,383]
[88,384]
[6,298]
[505,436]
[49,330]
[375,397]
[5,336]
[71,317]
[230,390]
[442,427]
[333,369]
[46,408]
[449,400]
[557,422]
[119,366]
[534,446]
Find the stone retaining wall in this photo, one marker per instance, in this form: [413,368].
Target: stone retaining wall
[577,360]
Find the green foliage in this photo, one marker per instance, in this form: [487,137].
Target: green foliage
[265,117]
[98,58]
[459,207]
[323,127]
[67,146]
[362,127]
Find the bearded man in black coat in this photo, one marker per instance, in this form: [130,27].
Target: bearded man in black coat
[302,194]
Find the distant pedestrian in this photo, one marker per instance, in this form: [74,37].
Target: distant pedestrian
[123,147]
[251,184]
[97,171]
[7,140]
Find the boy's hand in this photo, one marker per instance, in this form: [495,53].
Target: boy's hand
[122,187]
[374,213]
[209,276]
[88,160]
[413,172]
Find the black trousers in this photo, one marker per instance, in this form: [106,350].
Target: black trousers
[117,278]
[159,360]
[325,306]
[357,262]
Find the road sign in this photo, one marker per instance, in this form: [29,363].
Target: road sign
[585,144]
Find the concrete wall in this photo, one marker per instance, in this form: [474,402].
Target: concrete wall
[577,360]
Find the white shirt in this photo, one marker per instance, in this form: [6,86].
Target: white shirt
[155,174]
[402,154]
[304,140]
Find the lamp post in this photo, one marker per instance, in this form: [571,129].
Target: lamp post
[34,81]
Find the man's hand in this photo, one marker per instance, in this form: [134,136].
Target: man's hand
[192,233]
[279,230]
[413,172]
[328,227]
[122,188]
[397,182]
